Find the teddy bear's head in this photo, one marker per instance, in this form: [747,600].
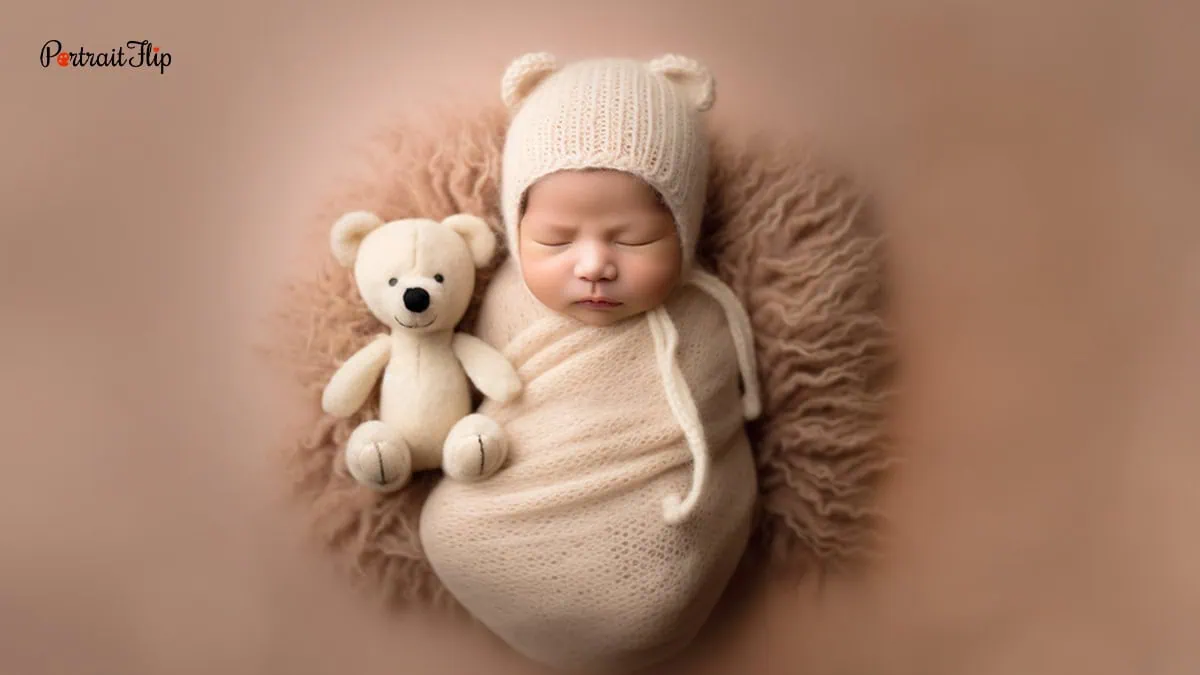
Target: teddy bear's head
[414,274]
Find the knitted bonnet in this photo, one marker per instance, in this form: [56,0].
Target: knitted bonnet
[642,118]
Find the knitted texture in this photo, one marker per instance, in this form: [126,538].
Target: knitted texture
[565,554]
[621,114]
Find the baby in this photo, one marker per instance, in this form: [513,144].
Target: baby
[628,496]
[603,188]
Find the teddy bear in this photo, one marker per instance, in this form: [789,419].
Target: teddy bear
[417,276]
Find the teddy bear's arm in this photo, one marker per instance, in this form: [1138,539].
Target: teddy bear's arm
[487,368]
[352,383]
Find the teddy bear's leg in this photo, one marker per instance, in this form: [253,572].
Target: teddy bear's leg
[378,457]
[475,448]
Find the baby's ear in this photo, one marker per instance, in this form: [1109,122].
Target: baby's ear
[524,75]
[692,78]
[480,238]
[348,233]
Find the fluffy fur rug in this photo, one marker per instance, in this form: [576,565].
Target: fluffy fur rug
[792,240]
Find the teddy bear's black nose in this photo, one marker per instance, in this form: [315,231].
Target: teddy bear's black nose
[416,299]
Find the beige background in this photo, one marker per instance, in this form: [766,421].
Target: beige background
[1039,164]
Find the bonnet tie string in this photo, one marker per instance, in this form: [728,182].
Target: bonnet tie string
[679,395]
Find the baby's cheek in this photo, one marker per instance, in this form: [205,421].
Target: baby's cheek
[655,274]
[538,267]
[542,276]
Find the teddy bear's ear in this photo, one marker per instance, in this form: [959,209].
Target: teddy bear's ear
[475,231]
[348,233]
[689,75]
[524,75]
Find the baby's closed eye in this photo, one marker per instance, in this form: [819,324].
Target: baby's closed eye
[551,234]
[635,242]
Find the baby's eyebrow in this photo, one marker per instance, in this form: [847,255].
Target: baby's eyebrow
[615,228]
[556,228]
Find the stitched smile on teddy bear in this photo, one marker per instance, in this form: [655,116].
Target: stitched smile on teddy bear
[416,325]
[417,301]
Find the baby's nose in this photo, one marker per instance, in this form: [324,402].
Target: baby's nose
[416,299]
[594,265]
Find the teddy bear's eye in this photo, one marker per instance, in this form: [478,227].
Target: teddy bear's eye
[393,281]
[439,278]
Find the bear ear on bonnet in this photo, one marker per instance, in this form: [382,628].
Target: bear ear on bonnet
[689,75]
[523,75]
[480,238]
[348,233]
[527,71]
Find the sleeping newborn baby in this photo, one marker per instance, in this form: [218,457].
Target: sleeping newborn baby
[627,500]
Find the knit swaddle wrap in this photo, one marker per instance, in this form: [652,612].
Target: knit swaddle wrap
[565,553]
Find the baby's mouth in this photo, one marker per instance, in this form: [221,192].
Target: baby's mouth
[415,324]
[598,302]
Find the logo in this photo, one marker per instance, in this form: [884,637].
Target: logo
[141,54]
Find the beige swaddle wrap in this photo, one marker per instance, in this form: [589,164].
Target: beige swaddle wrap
[565,553]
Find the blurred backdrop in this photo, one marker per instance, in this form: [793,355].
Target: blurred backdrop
[1037,165]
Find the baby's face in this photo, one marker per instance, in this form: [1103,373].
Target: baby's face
[598,246]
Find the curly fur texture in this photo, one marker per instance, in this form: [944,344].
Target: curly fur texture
[789,238]
[795,242]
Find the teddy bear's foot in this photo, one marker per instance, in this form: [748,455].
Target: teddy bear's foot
[475,448]
[378,457]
